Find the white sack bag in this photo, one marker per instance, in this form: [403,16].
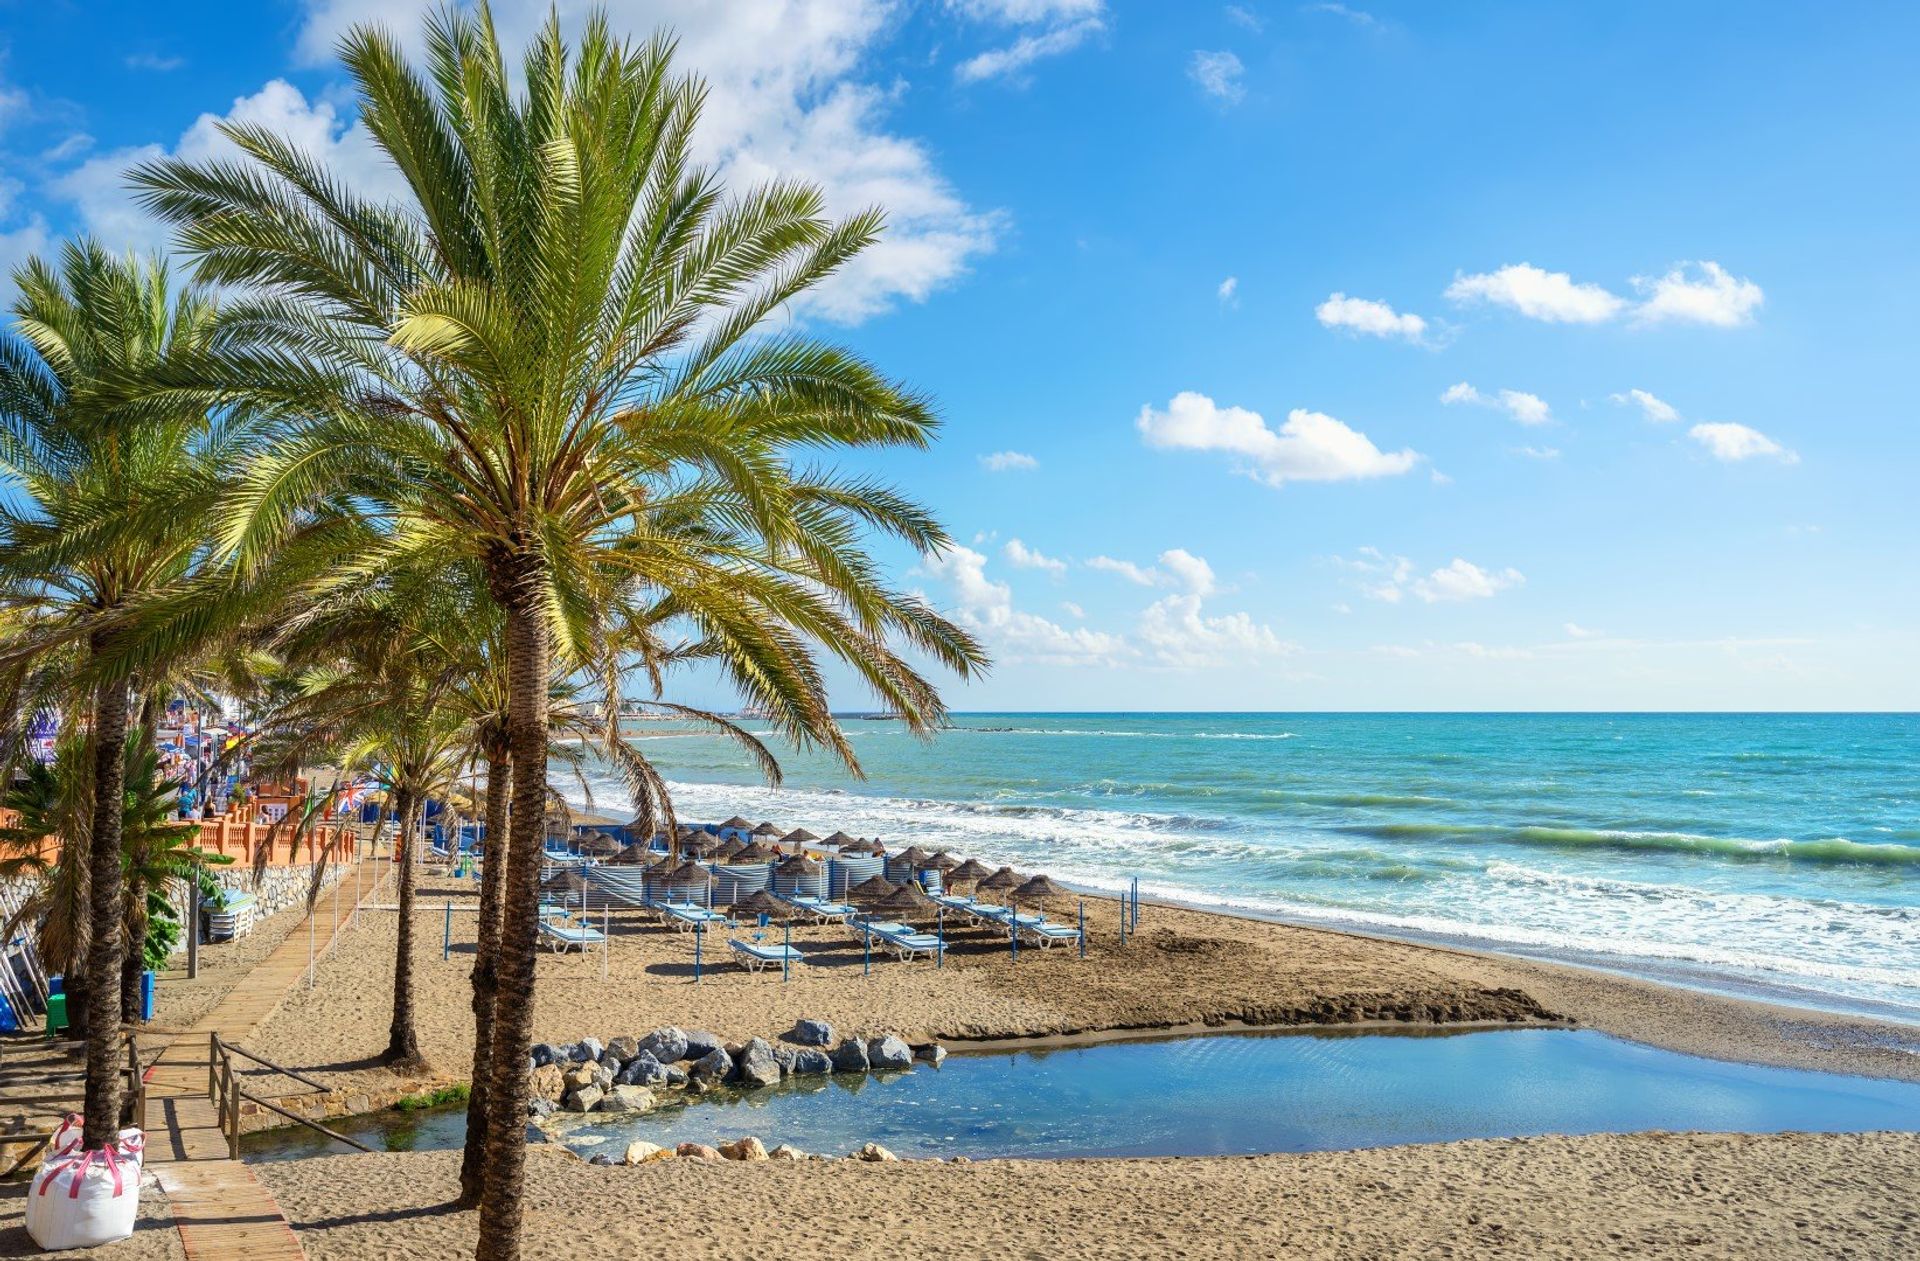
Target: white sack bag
[82,1199]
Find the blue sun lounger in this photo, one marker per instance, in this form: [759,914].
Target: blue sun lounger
[1046,934]
[820,910]
[562,937]
[1006,919]
[687,918]
[755,957]
[904,941]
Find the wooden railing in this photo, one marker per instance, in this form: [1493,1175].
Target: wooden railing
[223,1084]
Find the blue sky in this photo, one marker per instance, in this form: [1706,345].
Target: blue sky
[1308,335]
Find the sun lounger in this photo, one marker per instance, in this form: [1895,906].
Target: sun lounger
[562,937]
[905,942]
[1045,934]
[1006,920]
[755,957]
[688,918]
[819,909]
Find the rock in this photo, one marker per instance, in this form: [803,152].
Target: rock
[850,1057]
[699,1042]
[642,1070]
[715,1066]
[875,1154]
[959,1160]
[590,1049]
[700,1086]
[585,1099]
[547,1082]
[811,1061]
[748,1148]
[602,1076]
[583,1075]
[641,1152]
[622,1048]
[735,1050]
[811,1033]
[931,1052]
[756,1066]
[785,1056]
[889,1052]
[537,1135]
[538,1107]
[667,1045]
[626,1099]
[696,1151]
[676,1076]
[786,1151]
[601,1158]
[547,1053]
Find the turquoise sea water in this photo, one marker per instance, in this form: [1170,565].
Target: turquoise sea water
[1777,854]
[1235,1094]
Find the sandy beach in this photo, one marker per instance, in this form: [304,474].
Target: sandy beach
[1655,1195]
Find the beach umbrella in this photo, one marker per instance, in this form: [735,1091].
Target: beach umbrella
[944,861]
[970,872]
[866,847]
[870,890]
[729,848]
[599,843]
[1003,881]
[564,882]
[738,823]
[754,853]
[766,829]
[841,839]
[913,854]
[906,902]
[760,902]
[636,855]
[689,873]
[798,865]
[797,837]
[1038,889]
[701,846]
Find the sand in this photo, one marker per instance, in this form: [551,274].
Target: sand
[1695,1196]
[1184,969]
[154,1237]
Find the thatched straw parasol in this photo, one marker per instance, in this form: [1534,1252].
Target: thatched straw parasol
[1003,881]
[865,847]
[728,848]
[872,889]
[1039,889]
[760,902]
[841,839]
[906,902]
[567,882]
[970,872]
[944,861]
[798,865]
[699,846]
[798,836]
[599,843]
[636,855]
[766,829]
[689,873]
[914,856]
[754,853]
[737,822]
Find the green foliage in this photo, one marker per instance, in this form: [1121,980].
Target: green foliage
[456,1093]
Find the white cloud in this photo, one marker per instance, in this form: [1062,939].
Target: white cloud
[1176,632]
[1309,447]
[1359,17]
[1126,569]
[1364,315]
[1190,571]
[1023,11]
[786,98]
[1009,461]
[1072,609]
[1528,409]
[1538,453]
[1577,631]
[1026,50]
[1229,291]
[1731,442]
[1539,295]
[1391,579]
[1218,75]
[1463,580]
[1654,409]
[1020,556]
[153,61]
[985,607]
[1245,18]
[1717,298]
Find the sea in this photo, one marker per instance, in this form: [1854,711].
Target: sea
[1766,855]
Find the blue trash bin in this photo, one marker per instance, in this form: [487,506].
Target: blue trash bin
[146,995]
[56,984]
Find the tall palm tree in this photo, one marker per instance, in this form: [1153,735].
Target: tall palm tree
[551,357]
[114,486]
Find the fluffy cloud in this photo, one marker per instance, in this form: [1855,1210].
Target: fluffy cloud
[1009,462]
[1540,295]
[1176,632]
[1190,571]
[1229,291]
[1652,408]
[1020,556]
[1243,17]
[1538,453]
[1716,298]
[1528,409]
[1359,17]
[1731,442]
[1309,447]
[1064,26]
[1374,319]
[1126,569]
[1392,578]
[1218,75]
[985,607]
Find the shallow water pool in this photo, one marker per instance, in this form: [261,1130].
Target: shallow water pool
[1231,1094]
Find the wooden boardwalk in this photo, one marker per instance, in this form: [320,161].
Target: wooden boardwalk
[219,1207]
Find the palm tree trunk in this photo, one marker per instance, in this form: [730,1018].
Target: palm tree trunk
[527,665]
[103,952]
[403,1047]
[486,981]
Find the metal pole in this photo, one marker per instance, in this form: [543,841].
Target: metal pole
[940,935]
[1083,928]
[786,952]
[1123,919]
[606,940]
[698,933]
[1013,928]
[866,959]
[446,936]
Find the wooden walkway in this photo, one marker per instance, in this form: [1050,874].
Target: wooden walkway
[219,1207]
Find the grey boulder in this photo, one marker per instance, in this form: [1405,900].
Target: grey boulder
[757,1066]
[811,1061]
[642,1070]
[850,1056]
[889,1053]
[622,1048]
[545,1053]
[716,1065]
[699,1043]
[811,1033]
[931,1052]
[667,1045]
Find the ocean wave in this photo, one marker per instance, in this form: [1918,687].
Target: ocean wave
[1826,850]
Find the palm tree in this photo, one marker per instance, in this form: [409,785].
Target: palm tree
[115,484]
[551,359]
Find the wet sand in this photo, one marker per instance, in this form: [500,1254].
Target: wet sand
[1695,1196]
